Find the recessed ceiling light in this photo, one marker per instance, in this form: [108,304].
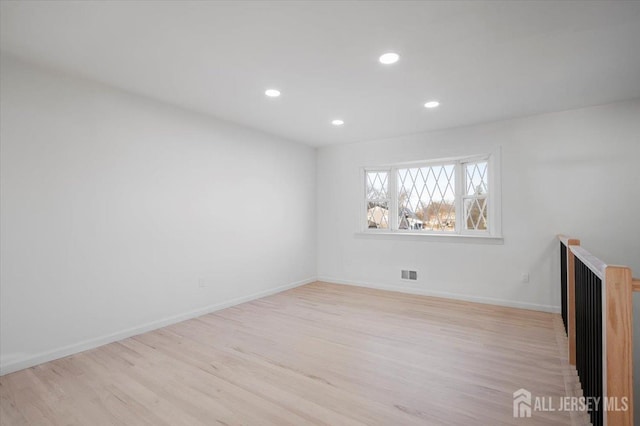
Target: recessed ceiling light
[272,93]
[431,104]
[389,58]
[337,122]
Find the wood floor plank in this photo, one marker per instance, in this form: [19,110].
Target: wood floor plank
[317,354]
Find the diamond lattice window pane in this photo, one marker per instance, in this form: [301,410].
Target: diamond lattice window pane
[377,185]
[476,178]
[378,215]
[475,213]
[426,198]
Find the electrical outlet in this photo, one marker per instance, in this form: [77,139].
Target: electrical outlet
[524,278]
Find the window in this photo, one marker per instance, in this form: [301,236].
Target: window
[458,196]
[378,202]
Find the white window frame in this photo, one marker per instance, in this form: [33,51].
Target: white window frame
[494,190]
[389,200]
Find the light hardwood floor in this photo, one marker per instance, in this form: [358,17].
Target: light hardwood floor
[317,354]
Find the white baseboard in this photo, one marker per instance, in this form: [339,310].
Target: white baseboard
[28,360]
[446,295]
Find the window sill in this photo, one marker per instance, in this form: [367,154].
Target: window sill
[449,238]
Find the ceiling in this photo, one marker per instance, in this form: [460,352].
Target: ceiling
[484,61]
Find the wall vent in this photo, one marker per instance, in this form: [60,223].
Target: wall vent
[408,275]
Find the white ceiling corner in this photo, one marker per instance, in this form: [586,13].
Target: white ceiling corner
[484,61]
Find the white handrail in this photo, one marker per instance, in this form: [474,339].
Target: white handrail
[596,265]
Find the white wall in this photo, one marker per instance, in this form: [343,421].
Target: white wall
[116,207]
[575,172]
